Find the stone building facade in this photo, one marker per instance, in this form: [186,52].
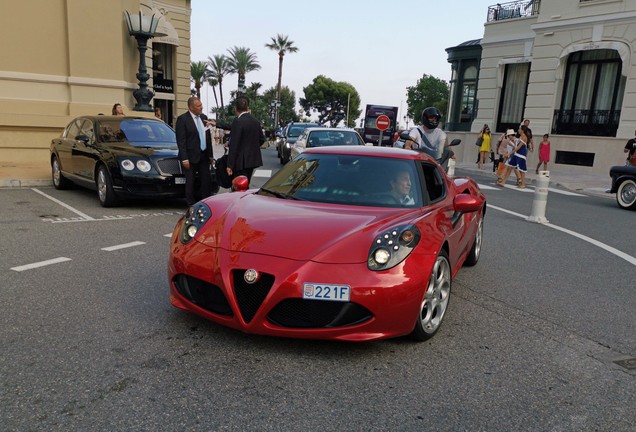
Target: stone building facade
[64,58]
[567,65]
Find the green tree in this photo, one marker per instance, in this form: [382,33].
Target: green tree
[429,91]
[329,99]
[218,70]
[198,73]
[287,109]
[283,45]
[240,62]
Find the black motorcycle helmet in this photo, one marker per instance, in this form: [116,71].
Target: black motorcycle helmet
[431,112]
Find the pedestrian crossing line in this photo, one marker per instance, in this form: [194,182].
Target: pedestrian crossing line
[528,189]
[262,173]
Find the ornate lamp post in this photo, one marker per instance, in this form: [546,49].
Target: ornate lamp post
[142,28]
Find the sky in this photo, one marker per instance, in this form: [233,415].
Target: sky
[379,47]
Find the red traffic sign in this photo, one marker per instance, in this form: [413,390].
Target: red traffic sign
[382,122]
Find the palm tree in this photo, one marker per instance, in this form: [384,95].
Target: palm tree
[213,83]
[218,70]
[282,45]
[242,61]
[198,73]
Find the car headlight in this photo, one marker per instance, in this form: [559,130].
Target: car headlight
[143,165]
[127,165]
[194,219]
[393,246]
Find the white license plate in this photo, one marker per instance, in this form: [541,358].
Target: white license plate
[179,180]
[317,291]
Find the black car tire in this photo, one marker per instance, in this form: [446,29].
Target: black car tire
[105,190]
[435,300]
[626,194]
[475,251]
[59,181]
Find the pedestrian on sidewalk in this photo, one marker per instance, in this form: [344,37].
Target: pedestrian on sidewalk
[630,149]
[504,146]
[484,149]
[517,159]
[544,153]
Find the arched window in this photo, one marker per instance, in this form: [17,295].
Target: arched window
[592,94]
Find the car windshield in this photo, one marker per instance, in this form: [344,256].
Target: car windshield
[347,179]
[294,131]
[137,132]
[331,138]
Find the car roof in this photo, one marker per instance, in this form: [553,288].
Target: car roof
[375,151]
[329,129]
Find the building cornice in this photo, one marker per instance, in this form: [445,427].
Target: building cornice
[562,24]
[58,79]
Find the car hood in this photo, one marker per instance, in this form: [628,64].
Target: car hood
[139,149]
[246,222]
[291,140]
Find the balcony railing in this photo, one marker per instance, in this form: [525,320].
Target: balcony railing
[586,122]
[516,9]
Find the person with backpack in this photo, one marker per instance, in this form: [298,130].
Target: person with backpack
[427,137]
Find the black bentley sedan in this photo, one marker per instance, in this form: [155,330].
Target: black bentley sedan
[118,157]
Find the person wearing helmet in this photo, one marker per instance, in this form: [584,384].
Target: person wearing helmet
[427,137]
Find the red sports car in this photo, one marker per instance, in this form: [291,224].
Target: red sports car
[351,243]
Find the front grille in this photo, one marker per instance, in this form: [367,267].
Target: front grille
[300,313]
[203,294]
[250,296]
[170,166]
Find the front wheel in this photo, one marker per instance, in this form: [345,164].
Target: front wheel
[435,301]
[626,194]
[105,190]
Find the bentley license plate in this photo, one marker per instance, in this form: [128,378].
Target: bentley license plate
[179,180]
[316,291]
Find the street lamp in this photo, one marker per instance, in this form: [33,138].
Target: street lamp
[142,28]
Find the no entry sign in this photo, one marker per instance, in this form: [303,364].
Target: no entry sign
[382,122]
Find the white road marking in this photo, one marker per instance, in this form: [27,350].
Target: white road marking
[630,259]
[123,246]
[74,210]
[262,173]
[40,264]
[529,189]
[168,235]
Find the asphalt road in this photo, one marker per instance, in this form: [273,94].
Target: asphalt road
[530,340]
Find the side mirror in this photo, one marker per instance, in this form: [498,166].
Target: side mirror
[466,203]
[83,138]
[405,136]
[240,184]
[455,142]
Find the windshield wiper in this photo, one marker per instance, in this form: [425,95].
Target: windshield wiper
[282,195]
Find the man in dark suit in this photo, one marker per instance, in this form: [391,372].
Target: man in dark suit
[195,150]
[246,138]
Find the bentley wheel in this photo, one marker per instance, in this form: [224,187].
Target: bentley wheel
[475,251]
[435,299]
[626,194]
[105,190]
[59,181]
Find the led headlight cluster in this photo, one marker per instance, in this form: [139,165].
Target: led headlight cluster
[194,219]
[141,164]
[391,247]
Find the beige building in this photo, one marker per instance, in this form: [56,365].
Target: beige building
[64,58]
[567,65]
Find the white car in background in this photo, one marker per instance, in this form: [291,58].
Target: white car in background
[323,137]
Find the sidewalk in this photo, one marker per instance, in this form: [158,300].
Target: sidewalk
[23,175]
[593,184]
